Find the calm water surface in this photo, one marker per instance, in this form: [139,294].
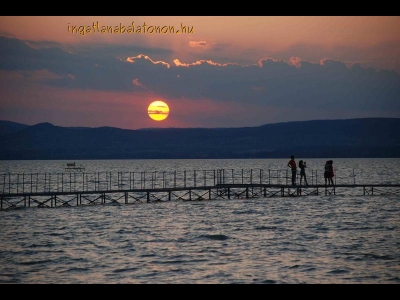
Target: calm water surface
[340,239]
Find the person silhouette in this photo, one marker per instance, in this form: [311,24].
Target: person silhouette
[331,174]
[292,165]
[303,166]
[327,172]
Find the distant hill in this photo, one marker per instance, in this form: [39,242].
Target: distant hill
[369,137]
[7,127]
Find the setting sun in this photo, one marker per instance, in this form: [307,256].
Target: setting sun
[158,110]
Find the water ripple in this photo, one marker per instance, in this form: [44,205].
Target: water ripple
[316,239]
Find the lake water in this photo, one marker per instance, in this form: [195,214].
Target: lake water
[317,239]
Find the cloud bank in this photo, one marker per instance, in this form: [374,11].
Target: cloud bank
[296,83]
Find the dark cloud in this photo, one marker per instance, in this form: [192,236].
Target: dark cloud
[384,55]
[297,83]
[102,50]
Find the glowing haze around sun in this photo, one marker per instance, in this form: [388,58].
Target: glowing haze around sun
[158,110]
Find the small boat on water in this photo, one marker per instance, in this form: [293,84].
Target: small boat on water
[74,168]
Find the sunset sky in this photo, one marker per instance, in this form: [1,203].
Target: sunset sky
[227,71]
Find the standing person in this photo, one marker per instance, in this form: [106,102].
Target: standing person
[292,165]
[327,172]
[303,166]
[331,174]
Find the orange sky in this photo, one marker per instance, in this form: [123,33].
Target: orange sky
[254,31]
[70,92]
[271,34]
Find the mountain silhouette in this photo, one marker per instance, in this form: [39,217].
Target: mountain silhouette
[367,137]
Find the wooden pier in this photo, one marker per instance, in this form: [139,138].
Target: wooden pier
[50,190]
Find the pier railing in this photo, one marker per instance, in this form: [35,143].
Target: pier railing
[11,183]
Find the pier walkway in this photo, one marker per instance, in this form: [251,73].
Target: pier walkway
[49,190]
